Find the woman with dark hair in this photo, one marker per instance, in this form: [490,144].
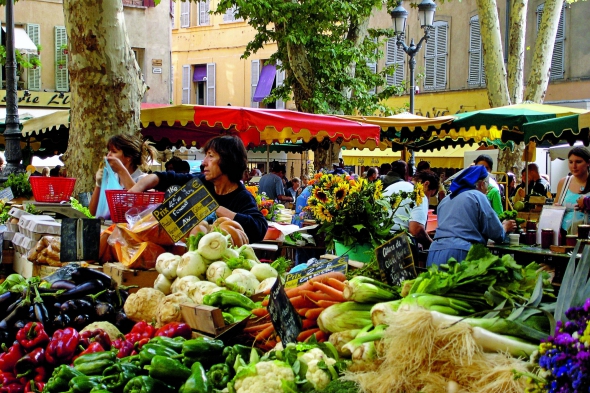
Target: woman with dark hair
[225,162]
[511,184]
[572,187]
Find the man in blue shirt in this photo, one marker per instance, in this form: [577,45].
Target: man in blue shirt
[272,184]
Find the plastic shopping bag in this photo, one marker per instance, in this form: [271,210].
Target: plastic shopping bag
[110,181]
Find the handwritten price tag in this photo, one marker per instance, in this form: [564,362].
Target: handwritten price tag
[396,260]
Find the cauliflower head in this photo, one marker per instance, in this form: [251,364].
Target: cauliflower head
[142,305]
[316,376]
[263,377]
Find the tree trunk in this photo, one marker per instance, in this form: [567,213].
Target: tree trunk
[516,48]
[492,53]
[105,81]
[356,34]
[539,77]
[325,155]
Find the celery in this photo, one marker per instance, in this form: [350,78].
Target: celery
[345,316]
[366,290]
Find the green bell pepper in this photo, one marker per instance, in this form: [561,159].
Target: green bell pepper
[84,384]
[168,370]
[148,351]
[146,384]
[60,379]
[228,319]
[239,313]
[172,343]
[219,376]
[231,353]
[95,363]
[197,382]
[116,377]
[203,350]
[226,298]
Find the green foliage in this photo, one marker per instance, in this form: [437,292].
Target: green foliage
[20,185]
[324,47]
[78,206]
[22,60]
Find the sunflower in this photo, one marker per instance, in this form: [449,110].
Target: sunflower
[323,213]
[357,186]
[419,190]
[321,195]
[378,188]
[396,202]
[341,192]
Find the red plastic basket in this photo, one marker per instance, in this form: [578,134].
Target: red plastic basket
[52,189]
[120,201]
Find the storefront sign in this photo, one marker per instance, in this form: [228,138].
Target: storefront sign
[396,260]
[185,208]
[80,239]
[283,315]
[156,70]
[340,264]
[40,98]
[6,194]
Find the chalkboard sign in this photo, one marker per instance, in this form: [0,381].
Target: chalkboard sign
[80,239]
[296,279]
[396,260]
[6,194]
[185,208]
[283,315]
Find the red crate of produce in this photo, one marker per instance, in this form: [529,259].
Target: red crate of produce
[52,189]
[120,201]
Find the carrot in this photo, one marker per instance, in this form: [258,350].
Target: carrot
[265,302]
[316,296]
[319,336]
[339,285]
[324,277]
[301,302]
[302,311]
[264,333]
[334,293]
[266,292]
[304,335]
[313,313]
[309,323]
[322,303]
[292,292]
[260,312]
[256,328]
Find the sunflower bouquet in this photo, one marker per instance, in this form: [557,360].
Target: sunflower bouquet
[354,211]
[266,206]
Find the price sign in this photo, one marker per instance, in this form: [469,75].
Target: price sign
[396,260]
[283,315]
[6,194]
[185,208]
[296,279]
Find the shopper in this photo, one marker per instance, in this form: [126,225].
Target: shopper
[272,184]
[372,174]
[571,188]
[397,173]
[494,193]
[295,188]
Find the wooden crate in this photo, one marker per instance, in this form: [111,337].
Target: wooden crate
[208,321]
[125,276]
[8,256]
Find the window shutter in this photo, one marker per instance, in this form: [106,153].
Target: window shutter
[475,53]
[172,11]
[558,57]
[435,58]
[230,15]
[280,79]
[395,56]
[185,14]
[34,74]
[373,68]
[211,84]
[62,77]
[186,84]
[254,77]
[204,13]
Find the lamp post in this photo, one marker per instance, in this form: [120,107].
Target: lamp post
[426,10]
[12,133]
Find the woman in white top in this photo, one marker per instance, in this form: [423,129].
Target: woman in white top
[128,157]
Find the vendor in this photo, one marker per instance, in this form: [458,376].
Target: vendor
[128,157]
[225,161]
[572,188]
[465,217]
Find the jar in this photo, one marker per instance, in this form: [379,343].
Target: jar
[583,231]
[531,225]
[531,237]
[546,238]
[570,240]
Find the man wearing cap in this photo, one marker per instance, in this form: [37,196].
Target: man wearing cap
[337,169]
[465,218]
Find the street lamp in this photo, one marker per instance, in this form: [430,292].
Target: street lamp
[426,10]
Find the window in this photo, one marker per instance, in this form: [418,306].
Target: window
[558,58]
[476,68]
[138,53]
[185,14]
[230,15]
[435,58]
[186,84]
[254,76]
[62,77]
[172,11]
[203,12]
[395,56]
[34,74]
[211,84]
[264,78]
[373,66]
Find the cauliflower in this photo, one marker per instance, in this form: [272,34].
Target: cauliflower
[263,377]
[319,378]
[169,309]
[142,305]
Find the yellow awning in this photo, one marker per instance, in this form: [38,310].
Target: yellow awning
[402,120]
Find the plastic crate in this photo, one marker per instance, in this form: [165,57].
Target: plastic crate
[120,201]
[52,189]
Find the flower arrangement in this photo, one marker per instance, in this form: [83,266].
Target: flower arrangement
[354,211]
[266,206]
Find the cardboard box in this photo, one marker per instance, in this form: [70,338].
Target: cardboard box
[22,265]
[125,276]
[8,256]
[208,321]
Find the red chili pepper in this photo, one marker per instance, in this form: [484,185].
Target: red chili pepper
[14,387]
[96,335]
[38,374]
[144,329]
[92,348]
[141,343]
[34,387]
[30,361]
[133,337]
[62,347]
[32,336]
[125,347]
[9,358]
[175,329]
[6,378]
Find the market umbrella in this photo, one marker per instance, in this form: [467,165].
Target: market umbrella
[569,128]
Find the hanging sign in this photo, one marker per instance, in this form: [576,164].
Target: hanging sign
[283,315]
[396,260]
[324,266]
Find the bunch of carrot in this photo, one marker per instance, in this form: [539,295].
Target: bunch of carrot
[309,299]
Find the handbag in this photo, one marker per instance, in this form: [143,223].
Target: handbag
[110,181]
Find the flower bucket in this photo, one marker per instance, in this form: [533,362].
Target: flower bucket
[355,252]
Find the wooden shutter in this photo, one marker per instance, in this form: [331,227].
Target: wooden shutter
[34,74]
[172,16]
[476,69]
[62,77]
[395,56]
[211,84]
[435,58]
[558,57]
[186,84]
[204,13]
[185,14]
[280,79]
[254,77]
[373,68]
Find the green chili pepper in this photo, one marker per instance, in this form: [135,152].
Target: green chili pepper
[168,370]
[60,379]
[197,382]
[146,384]
[83,384]
[227,298]
[205,351]
[148,351]
[116,377]
[172,343]
[219,376]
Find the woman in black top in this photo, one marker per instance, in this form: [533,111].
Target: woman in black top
[224,163]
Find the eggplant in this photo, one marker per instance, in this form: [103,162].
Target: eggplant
[69,306]
[84,306]
[63,284]
[81,321]
[7,299]
[83,275]
[41,313]
[87,288]
[18,325]
[63,273]
[104,311]
[14,305]
[15,314]
[60,321]
[123,322]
